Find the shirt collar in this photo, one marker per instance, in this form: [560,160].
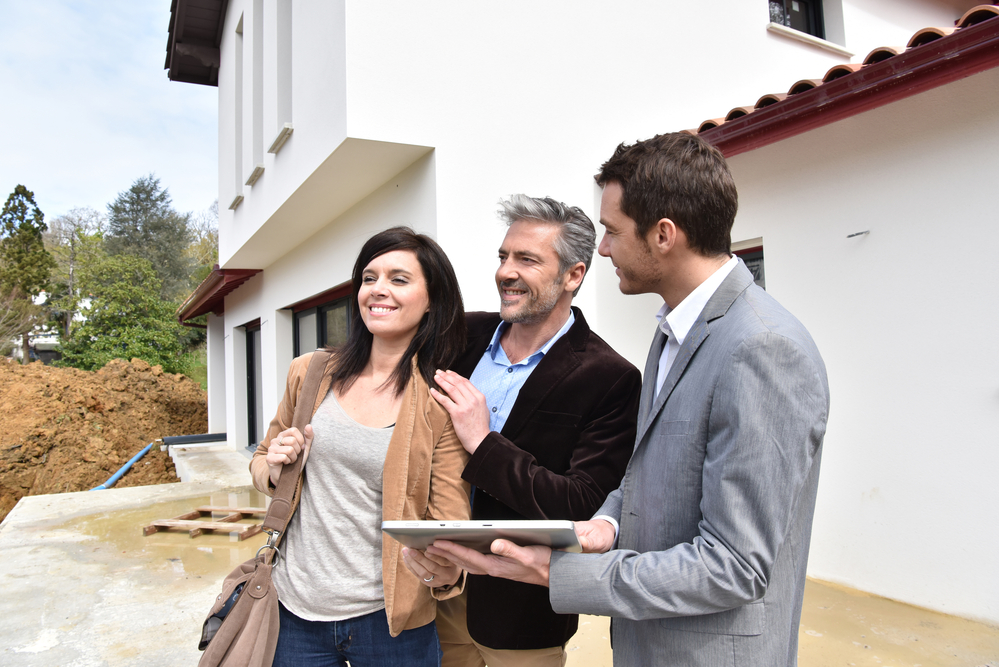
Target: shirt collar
[494,345]
[677,322]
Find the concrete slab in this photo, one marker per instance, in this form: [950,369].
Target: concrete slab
[82,587]
[217,463]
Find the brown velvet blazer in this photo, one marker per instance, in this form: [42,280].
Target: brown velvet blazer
[564,447]
[421,480]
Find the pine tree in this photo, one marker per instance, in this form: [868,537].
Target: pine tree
[25,264]
[143,223]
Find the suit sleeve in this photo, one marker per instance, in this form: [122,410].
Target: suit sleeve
[765,426]
[259,470]
[598,458]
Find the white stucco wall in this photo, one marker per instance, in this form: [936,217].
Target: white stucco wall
[906,320]
[317,264]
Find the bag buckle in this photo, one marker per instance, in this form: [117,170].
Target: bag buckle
[272,544]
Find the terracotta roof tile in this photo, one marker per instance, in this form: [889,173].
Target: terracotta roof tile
[934,56]
[803,86]
[770,98]
[739,112]
[836,71]
[927,35]
[883,53]
[708,124]
[977,15]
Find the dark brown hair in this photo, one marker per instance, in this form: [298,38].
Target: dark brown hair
[681,177]
[441,335]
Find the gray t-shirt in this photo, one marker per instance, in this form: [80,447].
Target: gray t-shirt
[331,568]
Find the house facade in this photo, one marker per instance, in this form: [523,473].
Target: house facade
[340,118]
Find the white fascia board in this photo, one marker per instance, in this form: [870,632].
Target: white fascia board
[353,171]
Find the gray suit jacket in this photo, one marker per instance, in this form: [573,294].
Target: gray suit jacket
[716,505]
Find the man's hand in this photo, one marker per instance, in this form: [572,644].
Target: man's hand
[286,448]
[526,564]
[595,536]
[467,407]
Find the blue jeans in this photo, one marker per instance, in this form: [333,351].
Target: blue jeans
[364,641]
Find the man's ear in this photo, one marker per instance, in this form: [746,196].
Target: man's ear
[574,277]
[663,236]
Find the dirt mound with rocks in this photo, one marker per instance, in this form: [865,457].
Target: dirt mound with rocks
[63,429]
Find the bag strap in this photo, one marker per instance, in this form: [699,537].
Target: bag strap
[283,501]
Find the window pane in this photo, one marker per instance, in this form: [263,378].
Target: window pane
[307,333]
[800,16]
[754,262]
[336,323]
[255,388]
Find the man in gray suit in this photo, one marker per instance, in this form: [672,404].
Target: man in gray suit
[699,556]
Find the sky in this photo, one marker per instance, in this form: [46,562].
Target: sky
[86,106]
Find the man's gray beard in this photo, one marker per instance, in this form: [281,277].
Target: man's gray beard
[536,310]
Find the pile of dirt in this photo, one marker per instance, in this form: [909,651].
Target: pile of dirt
[63,429]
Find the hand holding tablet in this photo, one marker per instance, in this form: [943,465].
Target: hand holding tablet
[479,535]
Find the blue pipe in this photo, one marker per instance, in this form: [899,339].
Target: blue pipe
[115,477]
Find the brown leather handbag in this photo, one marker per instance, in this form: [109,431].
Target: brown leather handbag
[242,627]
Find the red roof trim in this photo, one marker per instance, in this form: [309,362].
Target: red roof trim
[209,296]
[965,52]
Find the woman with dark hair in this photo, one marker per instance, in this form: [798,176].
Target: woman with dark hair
[378,448]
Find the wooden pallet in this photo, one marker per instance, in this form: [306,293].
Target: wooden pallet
[194,525]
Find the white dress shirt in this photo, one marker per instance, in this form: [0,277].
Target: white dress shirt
[676,323]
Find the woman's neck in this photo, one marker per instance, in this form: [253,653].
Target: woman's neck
[384,358]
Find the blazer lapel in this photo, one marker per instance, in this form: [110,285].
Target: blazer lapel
[734,284]
[548,375]
[651,370]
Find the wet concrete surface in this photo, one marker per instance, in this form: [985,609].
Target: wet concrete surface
[87,588]
[81,586]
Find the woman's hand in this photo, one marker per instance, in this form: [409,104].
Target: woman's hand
[286,448]
[434,571]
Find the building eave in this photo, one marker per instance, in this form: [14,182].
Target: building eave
[193,40]
[209,296]
[957,55]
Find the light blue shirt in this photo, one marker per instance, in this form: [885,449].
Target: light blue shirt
[501,381]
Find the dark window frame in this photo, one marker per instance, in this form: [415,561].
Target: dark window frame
[318,305]
[252,346]
[808,19]
[751,255]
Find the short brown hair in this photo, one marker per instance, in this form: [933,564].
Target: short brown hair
[681,177]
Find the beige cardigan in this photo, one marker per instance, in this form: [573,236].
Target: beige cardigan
[421,480]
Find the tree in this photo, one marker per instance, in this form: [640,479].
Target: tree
[25,264]
[126,317]
[17,315]
[73,239]
[143,223]
[204,248]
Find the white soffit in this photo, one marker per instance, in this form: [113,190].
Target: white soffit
[353,171]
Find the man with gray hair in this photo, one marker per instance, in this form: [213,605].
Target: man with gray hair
[548,415]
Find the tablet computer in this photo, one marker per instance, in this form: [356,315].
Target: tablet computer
[479,535]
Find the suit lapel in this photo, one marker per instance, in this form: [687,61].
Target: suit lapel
[651,370]
[734,284]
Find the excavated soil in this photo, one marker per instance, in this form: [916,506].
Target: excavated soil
[63,429]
